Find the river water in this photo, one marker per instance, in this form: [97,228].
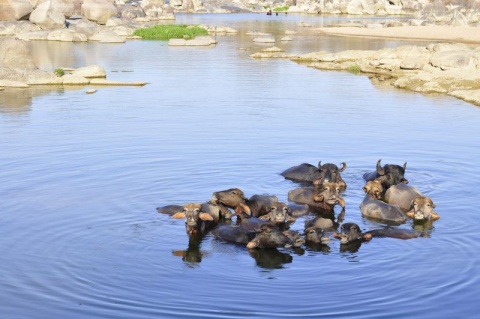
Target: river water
[82,174]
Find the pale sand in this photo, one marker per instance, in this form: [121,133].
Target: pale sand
[435,33]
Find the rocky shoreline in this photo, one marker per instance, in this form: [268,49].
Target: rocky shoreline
[446,68]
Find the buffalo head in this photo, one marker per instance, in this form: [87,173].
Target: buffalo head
[391,174]
[422,209]
[330,173]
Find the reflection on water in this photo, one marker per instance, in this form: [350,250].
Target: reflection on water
[192,255]
[82,176]
[270,258]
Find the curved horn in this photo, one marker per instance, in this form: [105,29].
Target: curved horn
[319,164]
[380,170]
[405,166]
[344,166]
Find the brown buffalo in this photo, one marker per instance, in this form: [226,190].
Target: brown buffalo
[307,173]
[197,219]
[230,198]
[350,232]
[422,209]
[389,174]
[373,208]
[319,222]
[269,236]
[259,204]
[279,214]
[323,198]
[402,195]
[315,235]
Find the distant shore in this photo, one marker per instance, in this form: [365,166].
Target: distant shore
[469,35]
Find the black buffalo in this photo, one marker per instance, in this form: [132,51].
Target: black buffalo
[389,174]
[317,175]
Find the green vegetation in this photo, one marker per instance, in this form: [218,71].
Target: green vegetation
[59,72]
[280,9]
[170,31]
[354,68]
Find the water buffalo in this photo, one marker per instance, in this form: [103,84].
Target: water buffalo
[315,235]
[307,173]
[197,219]
[259,204]
[389,174]
[233,234]
[295,237]
[170,209]
[246,220]
[350,232]
[269,236]
[319,222]
[230,198]
[373,208]
[422,209]
[279,214]
[402,195]
[323,198]
[217,210]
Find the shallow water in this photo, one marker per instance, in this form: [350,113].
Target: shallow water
[82,175]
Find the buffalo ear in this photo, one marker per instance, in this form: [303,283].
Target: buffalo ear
[434,205]
[365,189]
[205,216]
[178,215]
[264,217]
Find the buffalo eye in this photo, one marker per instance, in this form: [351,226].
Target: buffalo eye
[196,210]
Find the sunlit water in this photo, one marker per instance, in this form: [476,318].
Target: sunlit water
[81,176]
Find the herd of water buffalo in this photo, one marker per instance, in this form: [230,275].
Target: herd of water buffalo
[262,221]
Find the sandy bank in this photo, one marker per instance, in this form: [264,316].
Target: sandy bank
[436,33]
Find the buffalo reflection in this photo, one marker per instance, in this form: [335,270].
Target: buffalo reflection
[270,258]
[192,255]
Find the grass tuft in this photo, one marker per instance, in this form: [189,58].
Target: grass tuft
[280,9]
[59,72]
[354,68]
[170,31]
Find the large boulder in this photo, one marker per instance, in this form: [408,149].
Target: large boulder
[66,7]
[15,54]
[153,8]
[46,16]
[99,10]
[84,26]
[66,35]
[11,10]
